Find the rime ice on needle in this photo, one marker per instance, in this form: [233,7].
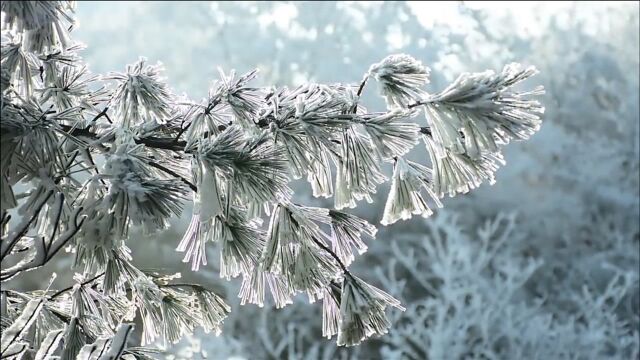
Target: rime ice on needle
[484,108]
[391,133]
[44,24]
[142,96]
[358,171]
[401,78]
[404,197]
[346,235]
[243,145]
[362,309]
[207,205]
[254,285]
[245,102]
[458,173]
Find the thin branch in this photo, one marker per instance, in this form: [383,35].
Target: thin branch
[362,84]
[47,255]
[173,173]
[419,103]
[182,130]
[334,255]
[150,141]
[60,292]
[56,222]
[323,247]
[95,167]
[162,143]
[207,111]
[16,236]
[182,285]
[354,108]
[101,114]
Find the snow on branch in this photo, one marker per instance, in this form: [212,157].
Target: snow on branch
[235,153]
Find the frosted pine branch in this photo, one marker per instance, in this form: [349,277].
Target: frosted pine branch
[235,154]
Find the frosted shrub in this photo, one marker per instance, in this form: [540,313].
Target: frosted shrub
[473,303]
[234,153]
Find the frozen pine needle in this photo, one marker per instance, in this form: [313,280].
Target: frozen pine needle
[362,311]
[401,78]
[105,156]
[405,198]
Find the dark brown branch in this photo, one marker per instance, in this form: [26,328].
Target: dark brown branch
[174,144]
[182,130]
[181,285]
[101,114]
[362,84]
[150,141]
[354,108]
[95,168]
[60,292]
[334,255]
[162,143]
[207,111]
[418,103]
[16,270]
[173,173]
[13,239]
[56,223]
[324,247]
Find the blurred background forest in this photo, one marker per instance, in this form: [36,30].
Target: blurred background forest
[543,264]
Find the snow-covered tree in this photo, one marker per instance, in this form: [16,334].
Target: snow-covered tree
[473,302]
[86,158]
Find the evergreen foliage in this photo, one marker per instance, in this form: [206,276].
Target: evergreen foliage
[235,153]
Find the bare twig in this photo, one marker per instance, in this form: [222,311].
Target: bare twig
[84,283]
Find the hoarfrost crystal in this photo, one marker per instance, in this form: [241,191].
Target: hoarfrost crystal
[401,78]
[102,155]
